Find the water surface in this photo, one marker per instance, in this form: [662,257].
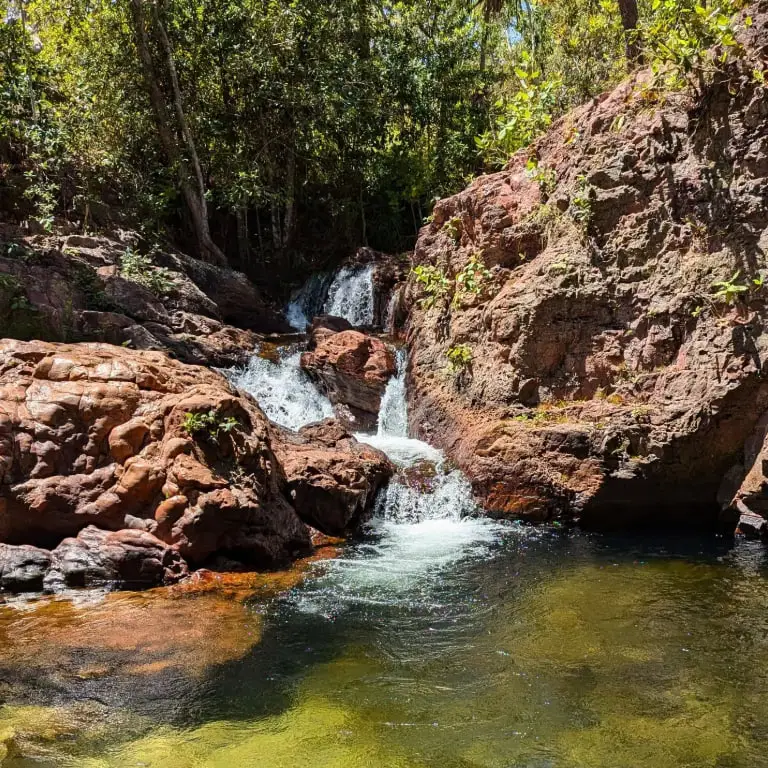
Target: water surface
[444,643]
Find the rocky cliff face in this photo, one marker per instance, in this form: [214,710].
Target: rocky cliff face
[77,288]
[597,371]
[125,467]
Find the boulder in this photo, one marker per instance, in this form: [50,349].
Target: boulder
[94,435]
[332,478]
[123,467]
[589,369]
[23,568]
[352,369]
[123,559]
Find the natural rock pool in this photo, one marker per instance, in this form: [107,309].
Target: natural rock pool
[441,643]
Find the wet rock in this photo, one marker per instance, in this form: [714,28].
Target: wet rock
[352,369]
[22,568]
[753,526]
[389,271]
[605,381]
[332,478]
[121,559]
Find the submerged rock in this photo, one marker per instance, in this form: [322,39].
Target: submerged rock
[592,370]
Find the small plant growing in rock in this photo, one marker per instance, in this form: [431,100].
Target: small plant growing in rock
[459,357]
[134,266]
[434,282]
[453,229]
[581,203]
[545,177]
[17,251]
[729,291]
[472,278]
[211,424]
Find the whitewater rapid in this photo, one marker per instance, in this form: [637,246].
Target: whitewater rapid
[425,520]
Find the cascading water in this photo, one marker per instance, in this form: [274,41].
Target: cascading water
[425,521]
[282,389]
[351,295]
[308,301]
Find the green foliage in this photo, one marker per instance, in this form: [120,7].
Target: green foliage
[459,357]
[139,268]
[581,203]
[453,229]
[678,36]
[729,291]
[18,251]
[210,424]
[473,277]
[433,282]
[521,116]
[87,281]
[334,122]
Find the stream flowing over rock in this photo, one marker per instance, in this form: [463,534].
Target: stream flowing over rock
[106,477]
[609,381]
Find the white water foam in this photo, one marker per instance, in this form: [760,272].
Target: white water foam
[426,520]
[284,392]
[351,295]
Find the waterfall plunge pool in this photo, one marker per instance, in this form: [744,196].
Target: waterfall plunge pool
[438,639]
[416,648]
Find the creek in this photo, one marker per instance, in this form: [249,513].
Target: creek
[437,639]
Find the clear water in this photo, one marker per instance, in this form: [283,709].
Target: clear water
[512,647]
[438,639]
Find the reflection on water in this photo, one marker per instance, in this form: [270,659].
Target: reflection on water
[511,647]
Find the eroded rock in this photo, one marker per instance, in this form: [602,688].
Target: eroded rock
[130,466]
[352,369]
[332,478]
[597,375]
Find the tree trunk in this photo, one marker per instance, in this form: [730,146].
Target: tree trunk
[242,232]
[194,198]
[629,17]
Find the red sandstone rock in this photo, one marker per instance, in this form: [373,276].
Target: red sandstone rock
[113,419]
[114,558]
[606,381]
[92,437]
[332,478]
[352,369]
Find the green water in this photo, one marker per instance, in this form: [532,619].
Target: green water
[434,646]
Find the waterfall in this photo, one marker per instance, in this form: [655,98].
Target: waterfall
[284,392]
[351,295]
[393,414]
[424,489]
[307,301]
